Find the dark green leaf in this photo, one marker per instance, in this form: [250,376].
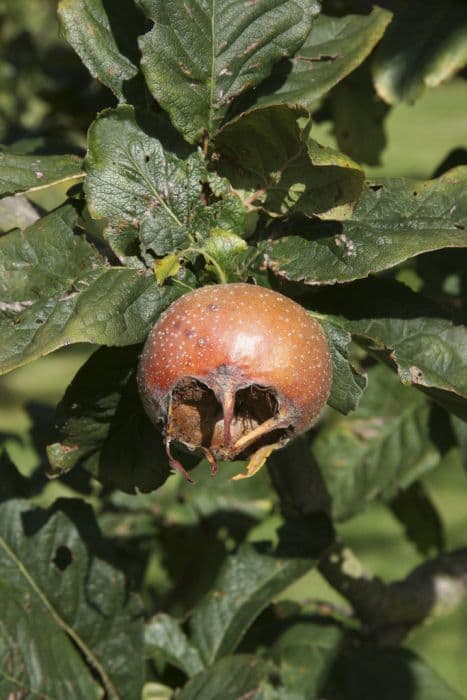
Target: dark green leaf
[334,48]
[250,498]
[460,430]
[56,289]
[165,639]
[101,421]
[61,601]
[426,352]
[406,331]
[366,674]
[395,219]
[424,46]
[12,483]
[248,581]
[142,175]
[384,446]
[348,384]
[19,173]
[420,518]
[200,55]
[357,117]
[231,678]
[104,35]
[305,653]
[268,152]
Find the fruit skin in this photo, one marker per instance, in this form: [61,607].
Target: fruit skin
[236,371]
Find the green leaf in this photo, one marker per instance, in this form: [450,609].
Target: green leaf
[200,55]
[424,46]
[305,653]
[142,175]
[460,431]
[348,384]
[269,154]
[231,678]
[248,581]
[166,267]
[56,289]
[382,447]
[333,49]
[418,514]
[164,638]
[61,600]
[407,332]
[157,691]
[366,674]
[104,36]
[13,484]
[395,219]
[225,252]
[357,117]
[101,422]
[16,212]
[19,173]
[426,352]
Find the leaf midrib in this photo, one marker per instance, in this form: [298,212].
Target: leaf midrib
[213,66]
[80,643]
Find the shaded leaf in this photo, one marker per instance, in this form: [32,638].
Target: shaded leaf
[164,638]
[101,422]
[12,483]
[55,289]
[348,384]
[19,173]
[269,154]
[383,446]
[304,653]
[200,55]
[420,518]
[424,46]
[231,678]
[60,600]
[460,431]
[104,35]
[358,116]
[363,674]
[334,48]
[248,581]
[395,219]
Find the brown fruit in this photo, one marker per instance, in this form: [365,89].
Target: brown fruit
[235,371]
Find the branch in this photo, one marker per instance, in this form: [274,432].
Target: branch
[388,610]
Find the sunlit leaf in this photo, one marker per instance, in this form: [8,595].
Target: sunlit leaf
[200,55]
[395,219]
[269,154]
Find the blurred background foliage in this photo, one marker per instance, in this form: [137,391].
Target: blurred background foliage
[47,100]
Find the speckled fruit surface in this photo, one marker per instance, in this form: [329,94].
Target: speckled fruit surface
[235,370]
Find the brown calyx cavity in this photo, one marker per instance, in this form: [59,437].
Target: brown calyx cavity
[226,422]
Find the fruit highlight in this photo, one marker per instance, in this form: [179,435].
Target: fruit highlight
[234,371]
